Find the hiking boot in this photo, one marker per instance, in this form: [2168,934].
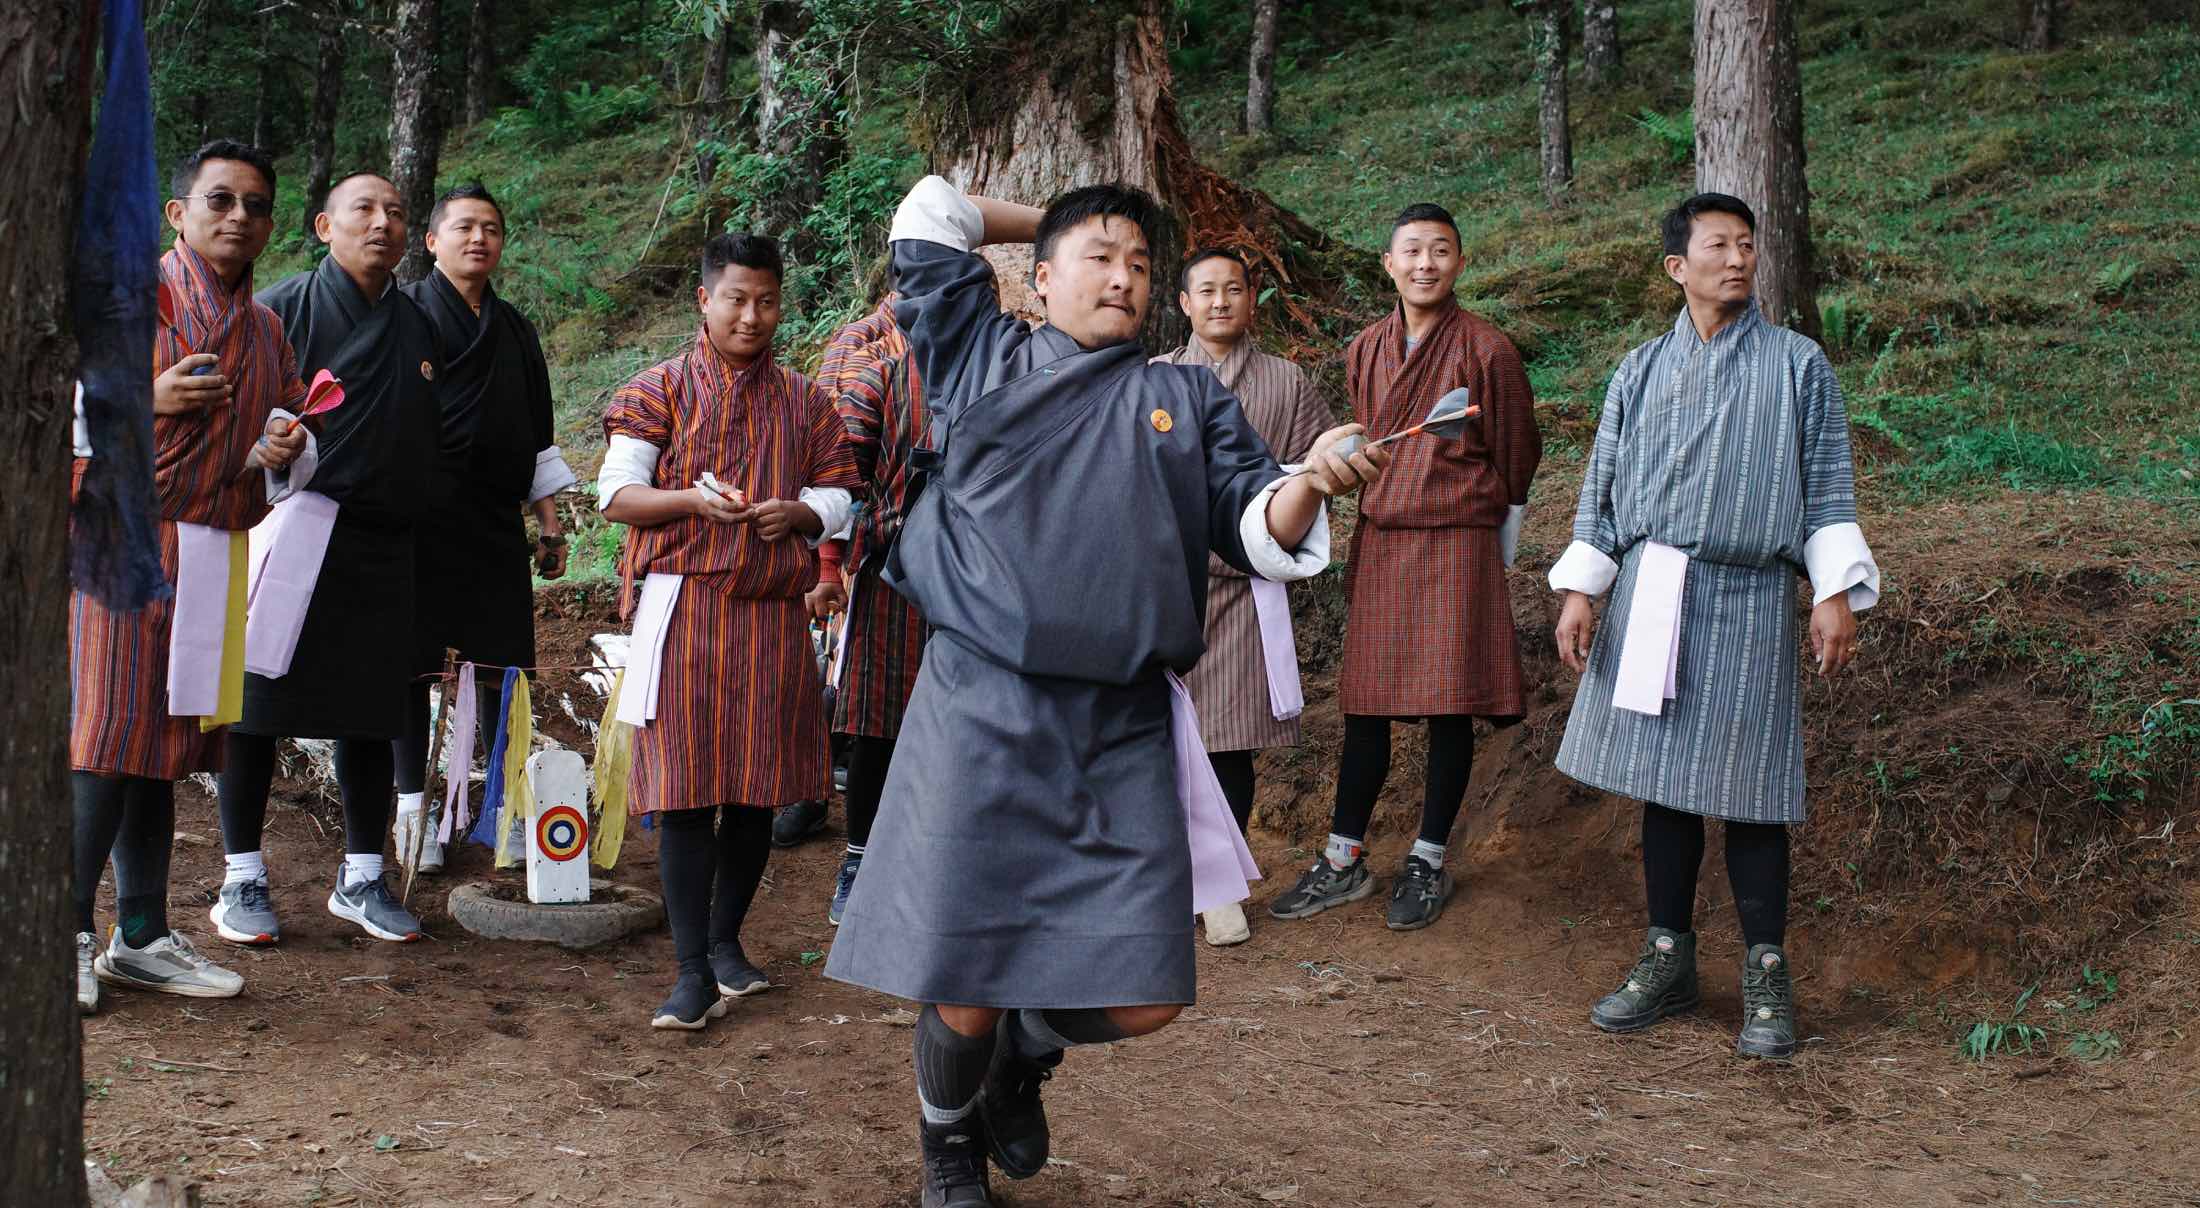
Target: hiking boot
[794,823]
[737,978]
[1323,887]
[954,1165]
[1768,1005]
[243,914]
[1418,897]
[1226,925]
[849,867]
[408,830]
[695,1001]
[1662,983]
[169,965]
[87,982]
[368,902]
[1015,1119]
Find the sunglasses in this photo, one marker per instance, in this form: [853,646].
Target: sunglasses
[220,201]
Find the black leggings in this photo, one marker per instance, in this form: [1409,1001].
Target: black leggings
[1235,770]
[1756,867]
[1365,765]
[363,776]
[693,859]
[868,759]
[134,818]
[411,748]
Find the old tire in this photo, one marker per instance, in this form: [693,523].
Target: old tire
[614,911]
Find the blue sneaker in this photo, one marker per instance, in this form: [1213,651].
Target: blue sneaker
[849,866]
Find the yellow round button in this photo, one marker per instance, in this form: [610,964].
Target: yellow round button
[1161,421]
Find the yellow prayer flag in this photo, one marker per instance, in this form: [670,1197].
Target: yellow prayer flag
[614,759]
[519,795]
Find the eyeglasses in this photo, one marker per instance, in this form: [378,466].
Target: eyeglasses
[221,201]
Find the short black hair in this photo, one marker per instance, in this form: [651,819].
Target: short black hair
[472,190]
[1097,201]
[1200,256]
[727,248]
[1423,211]
[349,177]
[1680,221]
[187,168]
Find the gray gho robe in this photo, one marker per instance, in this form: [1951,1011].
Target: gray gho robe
[1030,849]
[1734,452]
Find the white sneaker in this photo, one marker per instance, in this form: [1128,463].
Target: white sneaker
[1226,925]
[87,982]
[407,831]
[169,965]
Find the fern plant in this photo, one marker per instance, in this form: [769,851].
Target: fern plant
[1677,134]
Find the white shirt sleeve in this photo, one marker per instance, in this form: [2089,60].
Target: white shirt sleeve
[295,477]
[1267,556]
[938,212]
[1838,560]
[1508,533]
[1584,568]
[553,475]
[80,433]
[833,505]
[628,462]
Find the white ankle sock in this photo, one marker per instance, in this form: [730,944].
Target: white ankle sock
[244,866]
[359,867]
[1431,854]
[412,803]
[1341,851]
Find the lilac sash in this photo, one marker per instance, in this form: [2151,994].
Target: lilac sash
[287,549]
[195,631]
[1279,650]
[458,758]
[1221,863]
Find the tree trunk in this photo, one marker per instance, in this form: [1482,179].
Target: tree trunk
[798,120]
[416,128]
[2043,24]
[1260,86]
[1599,42]
[717,60]
[1749,142]
[46,55]
[1547,26]
[481,60]
[328,94]
[263,94]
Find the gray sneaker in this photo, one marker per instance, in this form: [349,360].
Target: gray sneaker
[1768,1005]
[87,982]
[243,914]
[169,965]
[1418,897]
[370,904]
[1323,887]
[1662,983]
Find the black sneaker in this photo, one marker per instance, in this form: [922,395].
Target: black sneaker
[1418,897]
[794,823]
[1768,1005]
[1662,983]
[1015,1119]
[1323,887]
[737,978]
[849,867]
[954,1165]
[694,1003]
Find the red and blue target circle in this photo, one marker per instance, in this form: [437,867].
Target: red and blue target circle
[561,833]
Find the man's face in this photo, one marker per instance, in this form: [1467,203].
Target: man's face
[1721,265]
[1096,283]
[741,311]
[1218,300]
[469,241]
[232,238]
[363,224]
[1423,262]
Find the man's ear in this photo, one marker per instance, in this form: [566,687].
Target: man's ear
[1039,276]
[429,240]
[322,225]
[702,298]
[174,212]
[1676,268]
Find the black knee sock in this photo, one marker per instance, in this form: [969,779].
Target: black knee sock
[744,846]
[1450,763]
[951,1068]
[1362,768]
[97,804]
[410,749]
[248,770]
[1040,1033]
[1757,867]
[868,759]
[687,859]
[1672,851]
[142,849]
[363,777]
[1235,770]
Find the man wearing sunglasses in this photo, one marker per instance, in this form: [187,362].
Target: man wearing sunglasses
[147,702]
[347,673]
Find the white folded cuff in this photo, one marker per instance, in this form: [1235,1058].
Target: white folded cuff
[1838,559]
[298,475]
[80,432]
[1508,533]
[1267,556]
[551,475]
[1584,568]
[938,212]
[628,461]
[834,506]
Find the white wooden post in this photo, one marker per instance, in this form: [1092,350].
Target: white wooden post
[557,833]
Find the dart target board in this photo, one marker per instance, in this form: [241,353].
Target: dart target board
[561,833]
